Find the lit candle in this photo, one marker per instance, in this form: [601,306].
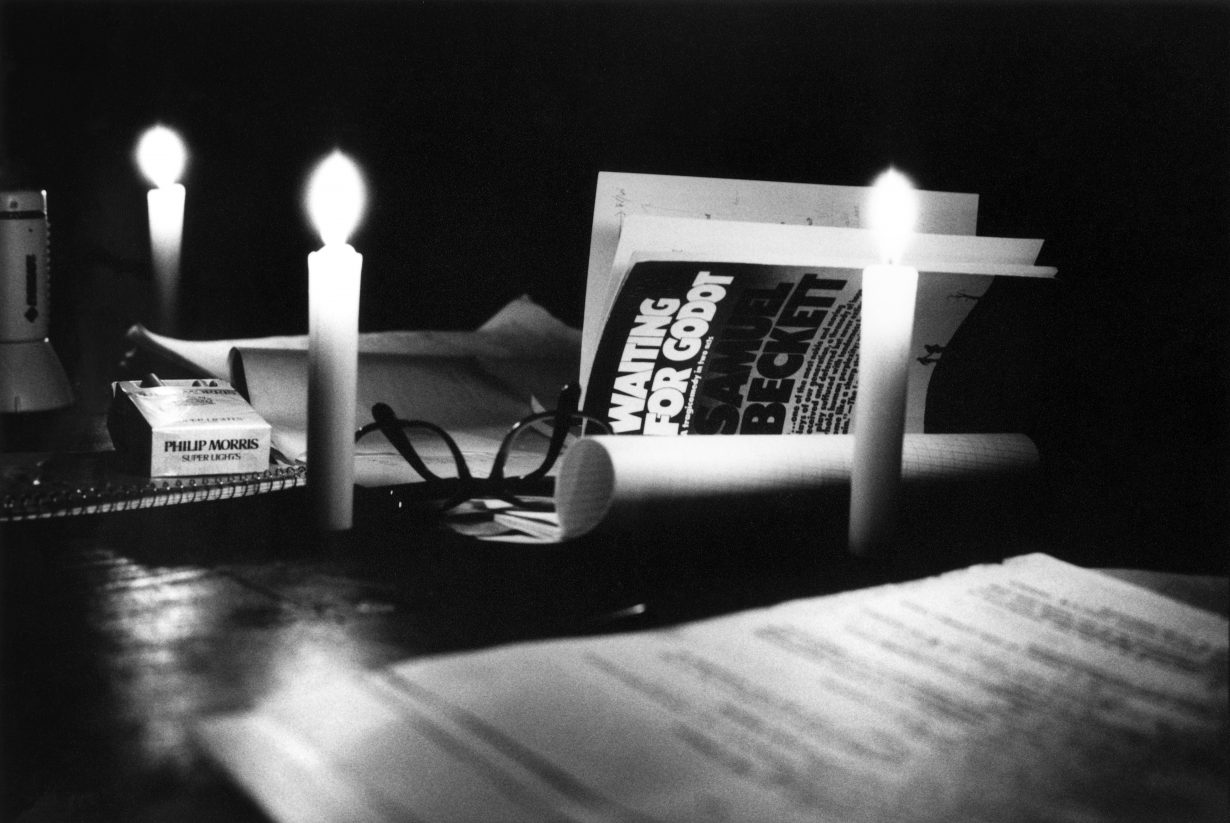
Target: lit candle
[335,199]
[887,325]
[161,156]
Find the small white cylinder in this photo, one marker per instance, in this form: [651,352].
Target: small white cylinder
[334,274]
[879,408]
[166,229]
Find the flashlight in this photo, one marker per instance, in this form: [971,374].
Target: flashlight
[31,376]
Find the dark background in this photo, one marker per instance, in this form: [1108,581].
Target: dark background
[1101,127]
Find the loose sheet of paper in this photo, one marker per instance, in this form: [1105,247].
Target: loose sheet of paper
[521,330]
[1031,690]
[453,392]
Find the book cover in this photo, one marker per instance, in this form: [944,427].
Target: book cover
[715,347]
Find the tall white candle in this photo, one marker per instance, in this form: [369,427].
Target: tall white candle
[883,369]
[161,157]
[335,201]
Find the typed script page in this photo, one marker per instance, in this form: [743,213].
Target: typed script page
[1027,691]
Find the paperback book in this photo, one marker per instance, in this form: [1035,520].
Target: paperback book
[716,327]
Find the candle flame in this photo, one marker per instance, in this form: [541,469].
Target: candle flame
[892,213]
[336,196]
[161,155]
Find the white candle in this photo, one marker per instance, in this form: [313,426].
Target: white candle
[161,157]
[335,202]
[883,368]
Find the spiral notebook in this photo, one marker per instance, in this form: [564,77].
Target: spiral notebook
[39,486]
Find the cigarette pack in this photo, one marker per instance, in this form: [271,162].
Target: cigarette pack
[186,427]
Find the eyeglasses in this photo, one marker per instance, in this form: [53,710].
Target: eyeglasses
[535,441]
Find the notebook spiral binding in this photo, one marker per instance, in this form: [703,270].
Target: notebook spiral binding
[62,500]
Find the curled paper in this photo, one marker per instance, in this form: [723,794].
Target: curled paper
[608,477]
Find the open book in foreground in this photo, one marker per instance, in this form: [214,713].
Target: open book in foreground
[1030,690]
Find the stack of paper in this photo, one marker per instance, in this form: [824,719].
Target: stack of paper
[1028,691]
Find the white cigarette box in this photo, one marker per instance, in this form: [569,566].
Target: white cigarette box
[186,427]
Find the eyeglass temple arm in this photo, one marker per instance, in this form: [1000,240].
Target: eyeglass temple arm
[565,408]
[561,418]
[391,426]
